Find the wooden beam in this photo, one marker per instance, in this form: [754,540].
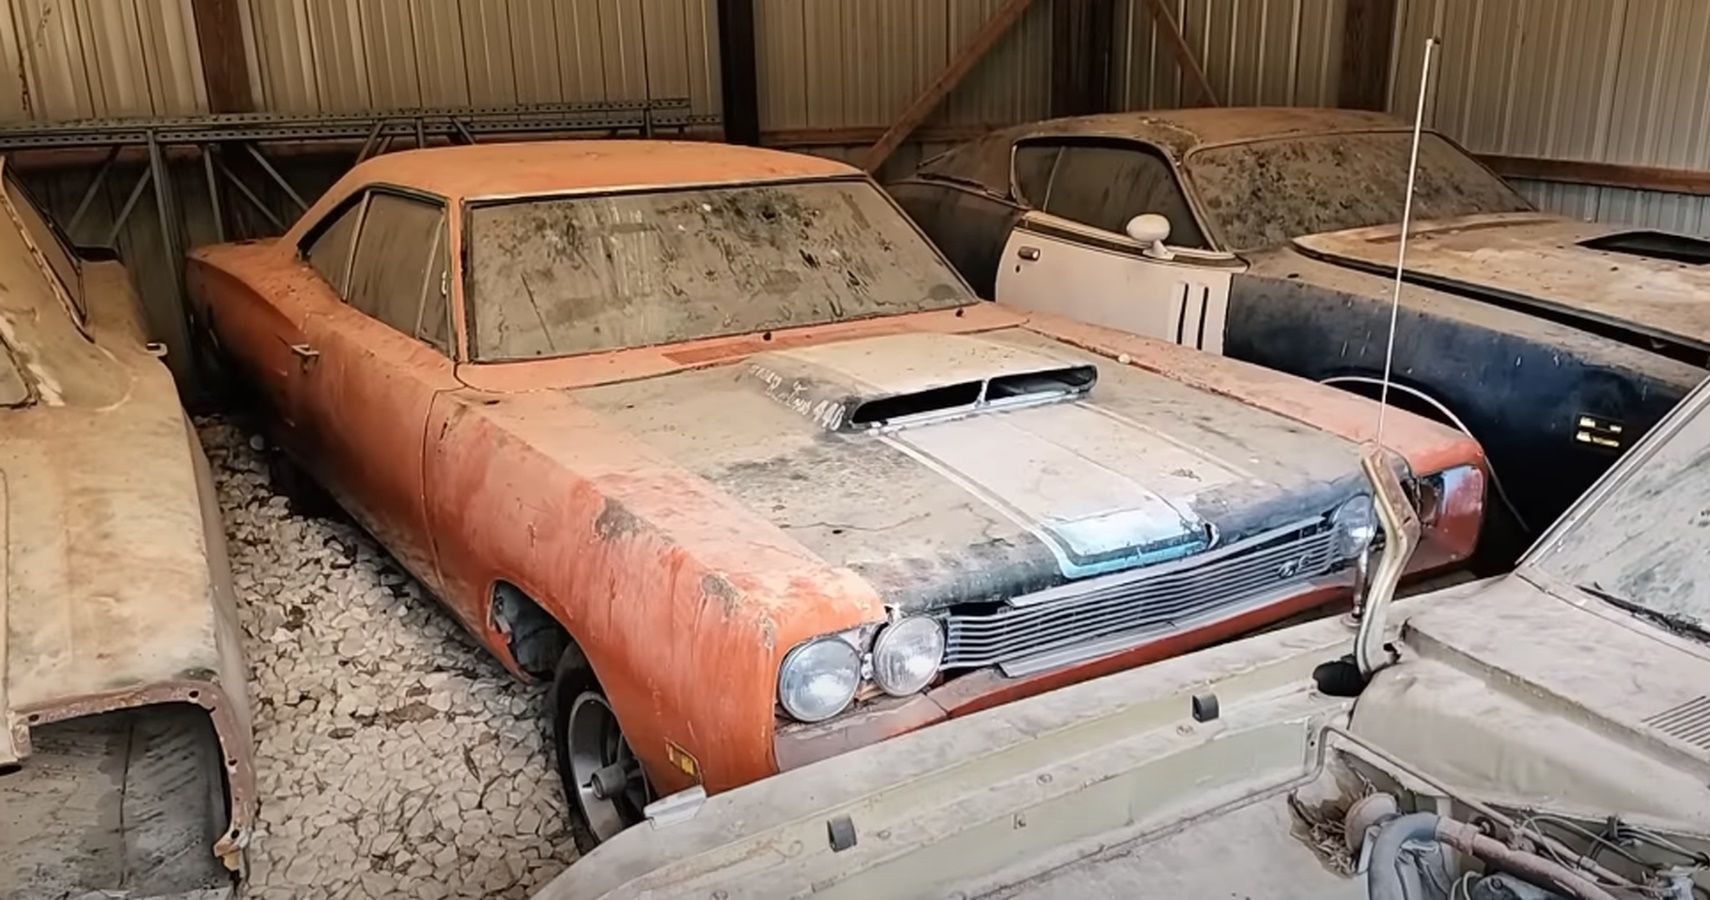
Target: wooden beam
[225,68]
[1619,175]
[738,68]
[927,101]
[1082,44]
[1368,39]
[1181,51]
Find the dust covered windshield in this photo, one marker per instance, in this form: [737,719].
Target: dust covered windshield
[568,275]
[1265,193]
[1643,543]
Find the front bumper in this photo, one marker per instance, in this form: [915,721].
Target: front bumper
[1452,513]
[797,744]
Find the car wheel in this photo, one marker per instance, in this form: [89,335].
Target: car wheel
[604,787]
[288,479]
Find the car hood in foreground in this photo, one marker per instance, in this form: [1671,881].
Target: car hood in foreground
[1550,265]
[950,503]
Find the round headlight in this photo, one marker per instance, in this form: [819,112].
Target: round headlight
[819,678]
[907,654]
[1356,526]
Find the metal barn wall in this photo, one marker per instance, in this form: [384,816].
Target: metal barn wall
[1621,81]
[78,60]
[351,55]
[1254,52]
[858,63]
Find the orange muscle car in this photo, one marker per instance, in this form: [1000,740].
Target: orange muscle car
[716,439]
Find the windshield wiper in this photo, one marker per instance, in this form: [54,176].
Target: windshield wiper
[1678,624]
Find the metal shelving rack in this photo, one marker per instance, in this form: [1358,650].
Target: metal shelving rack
[250,133]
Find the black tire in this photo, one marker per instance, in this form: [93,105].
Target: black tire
[574,680]
[305,496]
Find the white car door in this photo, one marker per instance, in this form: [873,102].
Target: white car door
[1055,266]
[1111,240]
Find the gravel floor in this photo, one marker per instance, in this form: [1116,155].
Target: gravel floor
[395,758]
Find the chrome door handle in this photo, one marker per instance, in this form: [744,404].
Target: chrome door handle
[1030,254]
[305,352]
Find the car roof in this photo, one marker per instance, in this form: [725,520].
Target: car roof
[1175,131]
[1185,129]
[545,167]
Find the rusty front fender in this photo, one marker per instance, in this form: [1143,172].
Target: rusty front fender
[683,602]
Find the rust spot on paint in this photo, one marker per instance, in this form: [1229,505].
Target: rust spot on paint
[615,522]
[715,586]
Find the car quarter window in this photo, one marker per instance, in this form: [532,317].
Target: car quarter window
[434,323]
[397,251]
[1104,184]
[328,252]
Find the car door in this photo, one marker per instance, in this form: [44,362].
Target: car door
[380,356]
[1071,253]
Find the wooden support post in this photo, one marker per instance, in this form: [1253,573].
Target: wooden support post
[225,69]
[927,101]
[1082,41]
[1181,51]
[1368,39]
[737,70]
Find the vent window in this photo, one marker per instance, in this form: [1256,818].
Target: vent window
[1661,245]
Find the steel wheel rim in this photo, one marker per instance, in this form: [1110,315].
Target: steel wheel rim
[594,742]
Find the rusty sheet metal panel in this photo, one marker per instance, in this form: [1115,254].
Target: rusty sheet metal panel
[1255,53]
[65,59]
[845,63]
[346,56]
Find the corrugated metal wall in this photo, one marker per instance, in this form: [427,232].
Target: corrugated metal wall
[77,60]
[1602,80]
[1254,52]
[1624,81]
[351,55]
[853,63]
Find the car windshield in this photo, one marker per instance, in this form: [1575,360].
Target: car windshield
[1643,542]
[567,275]
[1265,193]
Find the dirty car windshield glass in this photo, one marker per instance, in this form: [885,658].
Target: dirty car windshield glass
[1264,193]
[560,276]
[1644,542]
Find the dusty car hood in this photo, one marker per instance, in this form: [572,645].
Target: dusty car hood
[1140,469]
[1538,260]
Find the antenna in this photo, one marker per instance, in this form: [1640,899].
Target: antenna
[1406,226]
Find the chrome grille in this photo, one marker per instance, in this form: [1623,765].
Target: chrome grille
[1150,601]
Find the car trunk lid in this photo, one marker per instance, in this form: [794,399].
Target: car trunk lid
[1645,287]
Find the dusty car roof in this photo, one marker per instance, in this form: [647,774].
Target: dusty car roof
[538,167]
[1213,125]
[1176,131]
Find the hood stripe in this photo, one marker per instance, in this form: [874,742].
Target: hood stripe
[1094,520]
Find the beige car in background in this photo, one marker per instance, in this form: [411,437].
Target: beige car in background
[125,757]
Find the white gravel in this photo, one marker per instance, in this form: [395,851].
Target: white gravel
[395,758]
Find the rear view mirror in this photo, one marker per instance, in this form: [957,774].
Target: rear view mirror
[1400,523]
[1150,230]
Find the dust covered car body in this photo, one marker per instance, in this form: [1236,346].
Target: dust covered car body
[1544,734]
[1270,236]
[125,746]
[714,438]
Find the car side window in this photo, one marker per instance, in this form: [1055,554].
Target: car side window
[434,323]
[1104,185]
[397,252]
[329,253]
